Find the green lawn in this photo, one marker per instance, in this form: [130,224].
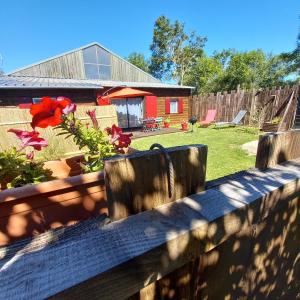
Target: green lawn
[225,155]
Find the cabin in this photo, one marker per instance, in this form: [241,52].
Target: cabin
[88,75]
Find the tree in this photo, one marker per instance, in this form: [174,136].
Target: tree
[292,59]
[173,50]
[204,75]
[139,60]
[252,69]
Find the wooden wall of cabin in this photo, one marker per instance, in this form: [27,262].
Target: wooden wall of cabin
[13,97]
[175,117]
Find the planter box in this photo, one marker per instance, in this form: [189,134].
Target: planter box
[33,209]
[269,127]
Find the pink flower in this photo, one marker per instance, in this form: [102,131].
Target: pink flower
[69,109]
[119,139]
[30,155]
[92,115]
[29,139]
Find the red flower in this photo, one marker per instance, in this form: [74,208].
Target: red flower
[48,112]
[118,138]
[29,139]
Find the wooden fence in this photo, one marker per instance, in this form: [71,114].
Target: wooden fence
[261,105]
[21,118]
[237,240]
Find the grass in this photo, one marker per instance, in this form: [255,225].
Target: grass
[225,155]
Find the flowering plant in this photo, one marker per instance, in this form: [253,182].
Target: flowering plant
[94,142]
[17,166]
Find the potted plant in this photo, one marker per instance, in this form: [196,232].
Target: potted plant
[31,198]
[167,122]
[184,125]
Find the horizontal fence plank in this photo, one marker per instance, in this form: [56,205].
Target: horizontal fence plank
[116,260]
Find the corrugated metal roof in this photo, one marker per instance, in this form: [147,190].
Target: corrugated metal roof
[108,83]
[29,82]
[20,82]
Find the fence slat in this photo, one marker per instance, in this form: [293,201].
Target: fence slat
[271,101]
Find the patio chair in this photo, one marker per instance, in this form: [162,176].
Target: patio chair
[236,121]
[210,118]
[148,125]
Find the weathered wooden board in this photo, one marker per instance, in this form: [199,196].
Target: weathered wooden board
[116,260]
[139,181]
[269,103]
[275,148]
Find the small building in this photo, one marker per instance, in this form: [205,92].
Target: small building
[89,72]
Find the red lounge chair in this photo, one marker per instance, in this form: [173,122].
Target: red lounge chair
[210,117]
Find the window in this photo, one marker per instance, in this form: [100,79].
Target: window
[174,106]
[97,63]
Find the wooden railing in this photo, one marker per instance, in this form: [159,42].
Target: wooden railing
[237,239]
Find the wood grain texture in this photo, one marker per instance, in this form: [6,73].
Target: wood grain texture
[139,181]
[67,66]
[175,118]
[270,102]
[275,148]
[116,260]
[29,210]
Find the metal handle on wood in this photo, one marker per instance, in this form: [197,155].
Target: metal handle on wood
[170,168]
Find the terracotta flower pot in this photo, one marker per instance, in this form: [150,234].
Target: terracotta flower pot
[184,126]
[166,125]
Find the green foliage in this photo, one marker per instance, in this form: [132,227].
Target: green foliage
[204,75]
[16,170]
[95,142]
[179,55]
[228,69]
[139,60]
[173,50]
[292,59]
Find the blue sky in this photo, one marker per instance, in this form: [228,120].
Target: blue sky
[32,30]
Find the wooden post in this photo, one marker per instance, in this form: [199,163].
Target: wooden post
[139,182]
